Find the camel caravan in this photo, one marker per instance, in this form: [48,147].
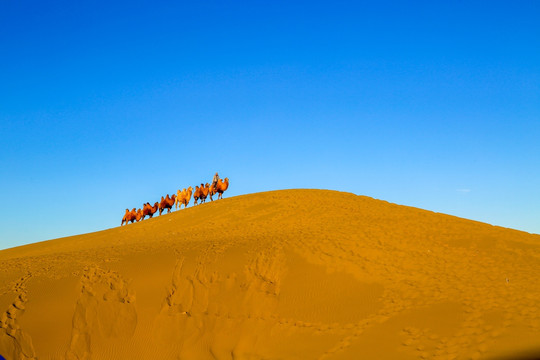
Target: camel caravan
[183,197]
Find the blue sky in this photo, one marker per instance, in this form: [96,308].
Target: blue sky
[105,106]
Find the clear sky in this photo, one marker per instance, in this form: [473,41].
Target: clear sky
[107,105]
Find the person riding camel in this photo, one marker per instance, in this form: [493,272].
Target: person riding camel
[215,180]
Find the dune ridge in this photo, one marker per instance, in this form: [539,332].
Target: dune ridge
[290,274]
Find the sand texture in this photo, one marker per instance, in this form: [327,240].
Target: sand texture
[293,274]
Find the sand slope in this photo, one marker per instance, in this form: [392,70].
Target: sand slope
[295,274]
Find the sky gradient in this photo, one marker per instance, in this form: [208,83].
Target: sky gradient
[106,106]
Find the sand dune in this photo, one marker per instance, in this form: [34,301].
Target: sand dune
[295,274]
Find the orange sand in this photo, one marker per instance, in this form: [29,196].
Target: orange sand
[295,274]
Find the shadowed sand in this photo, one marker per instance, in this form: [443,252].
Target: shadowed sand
[294,274]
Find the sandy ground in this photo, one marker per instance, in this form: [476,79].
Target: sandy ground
[295,274]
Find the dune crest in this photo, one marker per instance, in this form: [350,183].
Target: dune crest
[296,274]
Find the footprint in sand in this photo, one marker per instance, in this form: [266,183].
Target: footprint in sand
[105,309]
[214,315]
[14,342]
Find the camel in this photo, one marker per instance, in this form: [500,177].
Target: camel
[171,202]
[204,192]
[138,215]
[222,186]
[126,218]
[129,216]
[212,190]
[183,197]
[185,200]
[179,195]
[166,203]
[161,204]
[133,215]
[149,210]
[196,195]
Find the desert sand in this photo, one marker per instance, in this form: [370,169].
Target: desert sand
[292,274]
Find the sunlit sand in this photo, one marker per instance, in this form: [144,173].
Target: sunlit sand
[293,274]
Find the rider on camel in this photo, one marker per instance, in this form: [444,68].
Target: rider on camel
[215,180]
